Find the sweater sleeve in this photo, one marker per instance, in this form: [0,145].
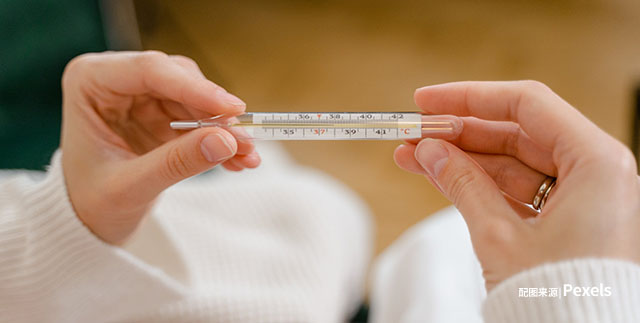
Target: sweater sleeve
[580,290]
[53,269]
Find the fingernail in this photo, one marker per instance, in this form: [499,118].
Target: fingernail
[233,100]
[216,148]
[432,156]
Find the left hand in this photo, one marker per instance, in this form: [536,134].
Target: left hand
[515,135]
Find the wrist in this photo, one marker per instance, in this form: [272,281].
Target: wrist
[101,211]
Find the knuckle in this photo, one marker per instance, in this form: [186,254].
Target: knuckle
[459,184]
[151,57]
[185,60]
[534,87]
[630,164]
[497,233]
[531,92]
[510,144]
[614,156]
[154,54]
[501,177]
[623,160]
[176,164]
[76,66]
[81,59]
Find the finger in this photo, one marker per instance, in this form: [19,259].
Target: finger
[231,166]
[194,114]
[404,156]
[158,125]
[245,144]
[188,155]
[522,209]
[151,118]
[252,160]
[234,164]
[192,67]
[189,64]
[504,138]
[544,116]
[512,176]
[155,73]
[176,111]
[464,183]
[187,86]
[139,139]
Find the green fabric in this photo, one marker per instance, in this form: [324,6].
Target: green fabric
[38,39]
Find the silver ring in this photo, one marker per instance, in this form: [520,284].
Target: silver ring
[543,193]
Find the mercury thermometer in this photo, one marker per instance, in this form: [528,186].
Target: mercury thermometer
[331,125]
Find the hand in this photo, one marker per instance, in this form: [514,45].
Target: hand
[119,152]
[514,135]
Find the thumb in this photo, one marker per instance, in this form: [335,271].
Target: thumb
[462,181]
[188,155]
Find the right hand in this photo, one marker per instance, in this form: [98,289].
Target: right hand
[119,152]
[515,134]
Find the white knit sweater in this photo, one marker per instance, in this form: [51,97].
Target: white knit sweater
[284,244]
[431,274]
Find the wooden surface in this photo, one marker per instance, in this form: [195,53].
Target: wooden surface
[371,55]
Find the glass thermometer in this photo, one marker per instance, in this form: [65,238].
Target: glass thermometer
[332,125]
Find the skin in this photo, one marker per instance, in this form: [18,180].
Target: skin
[119,152]
[515,134]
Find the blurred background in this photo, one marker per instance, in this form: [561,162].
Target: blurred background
[289,55]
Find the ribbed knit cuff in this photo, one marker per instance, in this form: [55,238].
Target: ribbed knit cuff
[580,290]
[54,269]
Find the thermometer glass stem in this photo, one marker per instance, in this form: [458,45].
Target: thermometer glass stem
[332,125]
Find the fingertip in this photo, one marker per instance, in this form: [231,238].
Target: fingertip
[235,109]
[395,155]
[421,93]
[233,104]
[438,98]
[416,96]
[244,148]
[432,156]
[420,90]
[414,141]
[252,160]
[231,166]
[213,99]
[403,156]
[246,161]
[245,144]
[402,151]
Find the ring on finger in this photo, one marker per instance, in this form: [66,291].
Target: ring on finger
[543,193]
